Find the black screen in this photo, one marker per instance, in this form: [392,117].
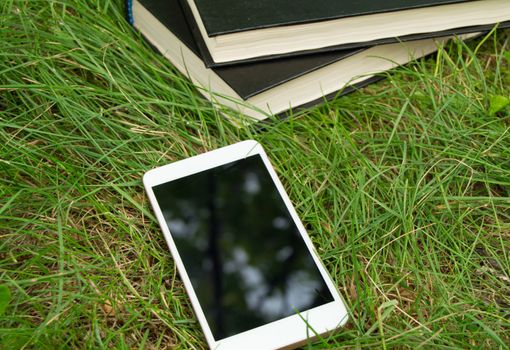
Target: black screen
[243,253]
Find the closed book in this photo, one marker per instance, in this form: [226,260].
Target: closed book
[239,30]
[266,88]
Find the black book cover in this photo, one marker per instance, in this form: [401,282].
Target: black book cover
[230,16]
[247,79]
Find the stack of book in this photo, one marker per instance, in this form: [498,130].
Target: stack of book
[266,57]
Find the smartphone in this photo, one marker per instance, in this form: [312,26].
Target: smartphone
[246,261]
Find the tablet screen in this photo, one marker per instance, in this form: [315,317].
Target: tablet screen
[246,259]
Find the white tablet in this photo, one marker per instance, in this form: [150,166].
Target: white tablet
[248,265]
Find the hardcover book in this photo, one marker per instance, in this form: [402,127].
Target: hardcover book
[261,89]
[238,30]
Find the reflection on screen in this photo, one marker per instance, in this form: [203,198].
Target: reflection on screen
[244,255]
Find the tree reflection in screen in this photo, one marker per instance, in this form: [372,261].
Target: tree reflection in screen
[245,257]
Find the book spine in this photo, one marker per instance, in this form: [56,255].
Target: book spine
[129,12]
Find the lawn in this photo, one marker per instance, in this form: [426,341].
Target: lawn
[404,187]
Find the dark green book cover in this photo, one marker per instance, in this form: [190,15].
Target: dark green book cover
[246,79]
[228,16]
[207,58]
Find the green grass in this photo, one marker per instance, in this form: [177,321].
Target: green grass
[404,187]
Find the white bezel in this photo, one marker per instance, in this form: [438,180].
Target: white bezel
[288,331]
